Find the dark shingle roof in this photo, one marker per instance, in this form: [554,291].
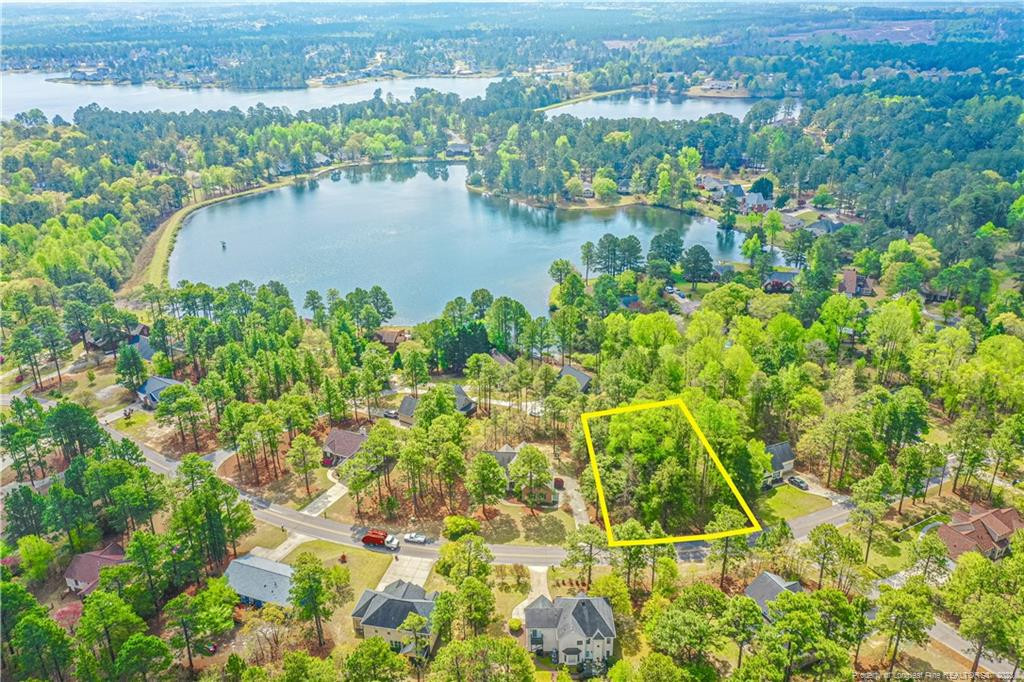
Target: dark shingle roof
[541,613]
[259,578]
[767,586]
[408,406]
[781,453]
[154,386]
[581,615]
[388,608]
[462,402]
[342,443]
[582,377]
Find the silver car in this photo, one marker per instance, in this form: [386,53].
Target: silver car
[416,538]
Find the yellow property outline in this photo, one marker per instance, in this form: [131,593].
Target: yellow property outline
[676,402]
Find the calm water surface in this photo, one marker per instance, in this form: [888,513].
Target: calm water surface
[662,108]
[24,91]
[413,229]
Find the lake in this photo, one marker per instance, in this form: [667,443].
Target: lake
[24,91]
[662,108]
[415,230]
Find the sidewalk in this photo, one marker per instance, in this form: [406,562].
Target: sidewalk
[326,498]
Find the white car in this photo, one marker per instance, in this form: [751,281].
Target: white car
[416,538]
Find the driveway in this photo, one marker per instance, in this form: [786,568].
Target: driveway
[410,569]
[538,588]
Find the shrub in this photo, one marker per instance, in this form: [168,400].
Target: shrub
[514,625]
[456,526]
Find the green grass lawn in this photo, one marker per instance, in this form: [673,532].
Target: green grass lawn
[506,596]
[266,535]
[786,502]
[135,426]
[365,569]
[518,525]
[888,556]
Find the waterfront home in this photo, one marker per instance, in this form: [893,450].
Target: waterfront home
[780,282]
[458,149]
[380,613]
[577,631]
[754,202]
[259,580]
[854,284]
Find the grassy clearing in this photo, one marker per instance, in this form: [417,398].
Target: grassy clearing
[266,535]
[786,502]
[137,426]
[888,555]
[517,525]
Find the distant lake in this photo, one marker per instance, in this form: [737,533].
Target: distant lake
[415,230]
[663,108]
[24,91]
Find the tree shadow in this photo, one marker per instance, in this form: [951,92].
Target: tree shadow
[545,528]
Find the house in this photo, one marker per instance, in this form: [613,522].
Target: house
[588,190]
[342,445]
[824,225]
[380,613]
[854,284]
[576,630]
[149,392]
[83,573]
[782,462]
[754,202]
[458,149]
[545,494]
[500,358]
[766,587]
[728,189]
[108,345]
[780,281]
[146,350]
[463,404]
[981,530]
[259,580]
[722,272]
[580,376]
[391,338]
[709,183]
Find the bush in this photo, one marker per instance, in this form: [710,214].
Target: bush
[514,625]
[456,526]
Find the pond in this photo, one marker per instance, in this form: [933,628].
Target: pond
[632,105]
[24,91]
[415,230]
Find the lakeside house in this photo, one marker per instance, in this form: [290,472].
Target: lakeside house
[149,392]
[83,573]
[581,377]
[545,492]
[782,462]
[341,446]
[982,530]
[780,282]
[823,226]
[754,202]
[722,272]
[391,338]
[766,587]
[259,580]
[380,613]
[854,284]
[576,631]
[463,404]
[458,149]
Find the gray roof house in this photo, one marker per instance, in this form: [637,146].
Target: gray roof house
[342,445]
[576,630]
[766,587]
[782,461]
[463,404]
[755,201]
[580,376]
[149,392]
[380,613]
[544,493]
[259,581]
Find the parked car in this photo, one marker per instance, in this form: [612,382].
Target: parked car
[381,538]
[416,538]
[536,411]
[207,648]
[391,414]
[670,290]
[798,482]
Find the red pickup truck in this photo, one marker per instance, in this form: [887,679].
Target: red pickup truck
[381,538]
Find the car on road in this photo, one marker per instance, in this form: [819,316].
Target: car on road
[416,538]
[391,414]
[381,538]
[537,411]
[798,482]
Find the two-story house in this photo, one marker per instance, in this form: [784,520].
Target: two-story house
[576,630]
[380,613]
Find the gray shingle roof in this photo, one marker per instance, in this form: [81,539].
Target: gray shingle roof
[408,406]
[580,615]
[388,608]
[260,579]
[781,453]
[154,386]
[582,377]
[767,586]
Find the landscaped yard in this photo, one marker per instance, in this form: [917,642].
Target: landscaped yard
[507,593]
[266,535]
[786,502]
[888,556]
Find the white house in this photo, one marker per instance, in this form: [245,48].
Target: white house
[576,630]
[782,462]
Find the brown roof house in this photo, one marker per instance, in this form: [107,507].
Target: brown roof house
[341,445]
[981,530]
[83,572]
[392,337]
[853,284]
